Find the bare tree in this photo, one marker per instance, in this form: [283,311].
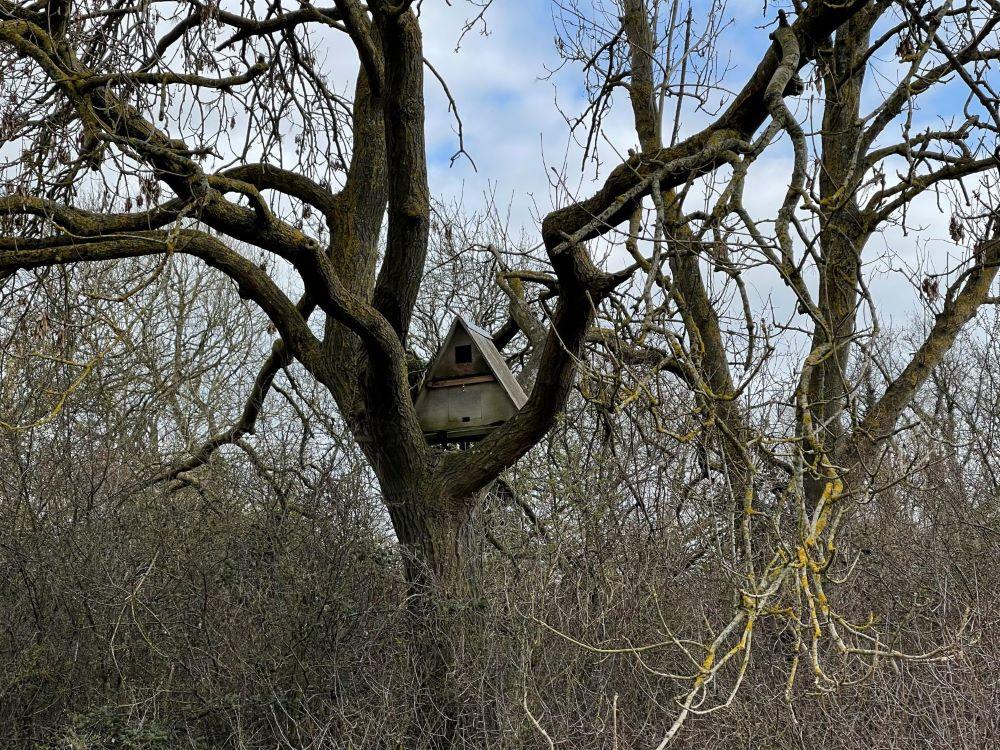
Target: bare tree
[136,106]
[792,458]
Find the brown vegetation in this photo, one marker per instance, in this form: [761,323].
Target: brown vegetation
[222,525]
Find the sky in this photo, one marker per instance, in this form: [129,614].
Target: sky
[507,108]
[515,133]
[505,76]
[510,104]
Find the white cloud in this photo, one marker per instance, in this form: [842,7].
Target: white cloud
[511,119]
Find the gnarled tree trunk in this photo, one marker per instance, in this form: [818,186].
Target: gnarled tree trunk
[442,565]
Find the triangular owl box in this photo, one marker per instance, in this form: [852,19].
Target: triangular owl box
[468,390]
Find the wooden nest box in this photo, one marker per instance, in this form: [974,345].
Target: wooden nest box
[468,390]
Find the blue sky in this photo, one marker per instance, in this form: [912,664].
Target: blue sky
[513,128]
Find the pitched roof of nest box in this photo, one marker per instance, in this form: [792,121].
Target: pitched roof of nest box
[468,390]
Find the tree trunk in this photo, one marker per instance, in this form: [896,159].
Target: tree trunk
[442,566]
[843,234]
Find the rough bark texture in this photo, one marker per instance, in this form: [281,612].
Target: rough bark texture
[844,231]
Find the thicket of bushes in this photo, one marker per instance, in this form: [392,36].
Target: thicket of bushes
[261,603]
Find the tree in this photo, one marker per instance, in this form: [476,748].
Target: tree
[790,481]
[139,126]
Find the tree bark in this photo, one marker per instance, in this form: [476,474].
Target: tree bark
[843,235]
[442,566]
